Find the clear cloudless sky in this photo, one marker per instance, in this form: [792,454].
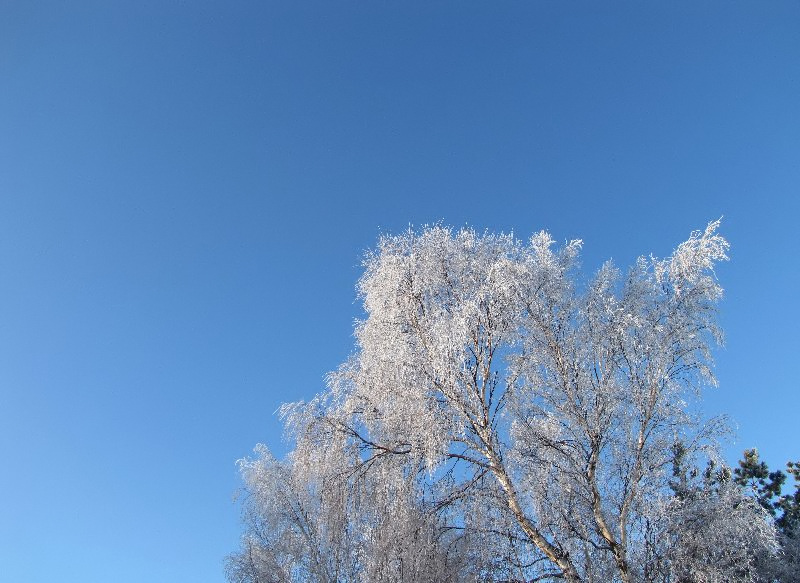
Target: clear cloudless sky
[186,189]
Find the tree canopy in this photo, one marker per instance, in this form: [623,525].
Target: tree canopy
[505,419]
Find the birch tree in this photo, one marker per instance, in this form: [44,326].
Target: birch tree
[525,415]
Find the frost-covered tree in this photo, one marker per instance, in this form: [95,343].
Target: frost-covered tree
[717,535]
[714,532]
[764,486]
[328,528]
[506,418]
[296,530]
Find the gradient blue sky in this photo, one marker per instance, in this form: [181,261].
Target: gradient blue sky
[186,189]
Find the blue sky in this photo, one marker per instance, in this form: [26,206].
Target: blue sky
[186,190]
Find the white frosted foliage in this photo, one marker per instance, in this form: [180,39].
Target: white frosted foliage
[501,418]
